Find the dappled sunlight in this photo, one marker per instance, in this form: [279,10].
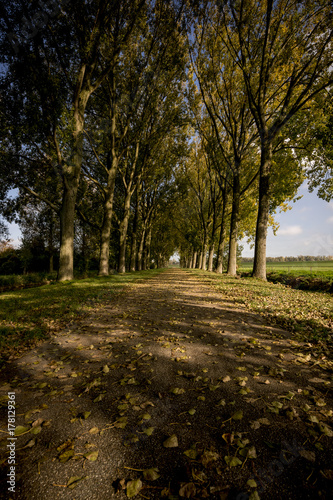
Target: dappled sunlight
[159,362]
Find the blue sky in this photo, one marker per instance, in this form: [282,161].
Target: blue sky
[306,229]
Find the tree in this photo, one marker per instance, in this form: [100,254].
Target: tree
[320,169]
[284,50]
[55,71]
[225,99]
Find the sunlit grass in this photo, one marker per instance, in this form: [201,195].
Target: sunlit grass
[308,315]
[29,315]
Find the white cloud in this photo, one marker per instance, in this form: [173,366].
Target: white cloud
[15,242]
[330,220]
[291,231]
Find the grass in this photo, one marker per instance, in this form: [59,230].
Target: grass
[295,266]
[316,276]
[308,315]
[30,315]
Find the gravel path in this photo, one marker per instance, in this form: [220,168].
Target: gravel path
[168,391]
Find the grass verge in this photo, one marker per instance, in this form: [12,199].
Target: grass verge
[321,281]
[30,315]
[307,315]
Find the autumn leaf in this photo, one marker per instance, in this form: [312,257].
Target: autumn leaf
[73,481]
[171,442]
[151,474]
[232,461]
[67,455]
[133,488]
[20,429]
[91,456]
[188,490]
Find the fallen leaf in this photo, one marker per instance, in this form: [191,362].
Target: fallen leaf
[91,456]
[94,430]
[72,482]
[238,415]
[67,455]
[133,488]
[232,461]
[309,455]
[191,453]
[177,391]
[20,429]
[151,474]
[149,431]
[171,442]
[208,456]
[188,490]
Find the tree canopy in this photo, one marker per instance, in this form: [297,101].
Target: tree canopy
[135,129]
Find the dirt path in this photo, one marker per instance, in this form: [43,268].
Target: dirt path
[169,357]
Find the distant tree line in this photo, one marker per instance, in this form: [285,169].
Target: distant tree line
[299,258]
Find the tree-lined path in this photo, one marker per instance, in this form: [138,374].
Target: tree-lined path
[169,390]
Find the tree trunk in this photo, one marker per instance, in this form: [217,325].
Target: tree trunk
[84,254]
[133,265]
[147,252]
[107,220]
[211,257]
[140,252]
[51,266]
[67,216]
[259,266]
[232,259]
[200,260]
[195,256]
[71,176]
[204,256]
[51,243]
[220,250]
[133,249]
[123,234]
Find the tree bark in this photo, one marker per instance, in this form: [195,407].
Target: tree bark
[259,266]
[133,245]
[195,256]
[200,260]
[71,176]
[204,255]
[147,250]
[140,251]
[232,259]
[107,220]
[211,257]
[220,250]
[67,216]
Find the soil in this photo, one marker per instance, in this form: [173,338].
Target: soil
[169,357]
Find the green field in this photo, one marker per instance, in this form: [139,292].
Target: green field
[311,275]
[299,266]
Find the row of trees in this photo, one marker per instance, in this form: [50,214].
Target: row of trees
[264,72]
[132,128]
[93,122]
